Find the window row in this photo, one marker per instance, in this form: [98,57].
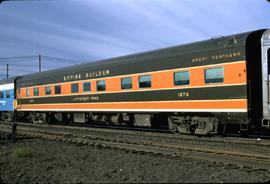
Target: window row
[4,94]
[212,75]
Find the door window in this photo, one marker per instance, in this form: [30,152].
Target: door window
[268,60]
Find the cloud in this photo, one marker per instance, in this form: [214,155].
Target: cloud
[92,30]
[69,39]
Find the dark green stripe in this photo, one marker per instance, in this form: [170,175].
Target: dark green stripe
[181,56]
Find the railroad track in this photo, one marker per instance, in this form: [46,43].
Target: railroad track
[171,145]
[152,133]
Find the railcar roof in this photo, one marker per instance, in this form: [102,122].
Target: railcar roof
[139,57]
[7,81]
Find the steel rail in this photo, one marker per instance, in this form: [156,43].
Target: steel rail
[254,160]
[152,134]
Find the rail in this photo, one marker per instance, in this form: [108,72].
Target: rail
[246,153]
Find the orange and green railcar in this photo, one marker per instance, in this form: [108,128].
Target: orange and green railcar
[197,88]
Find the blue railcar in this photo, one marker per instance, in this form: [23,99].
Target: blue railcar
[7,96]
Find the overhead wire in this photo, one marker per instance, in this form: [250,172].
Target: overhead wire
[19,70]
[62,60]
[22,65]
[36,58]
[47,62]
[18,57]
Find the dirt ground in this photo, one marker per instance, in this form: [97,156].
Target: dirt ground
[41,161]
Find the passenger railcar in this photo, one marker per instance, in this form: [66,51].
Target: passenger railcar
[7,99]
[194,88]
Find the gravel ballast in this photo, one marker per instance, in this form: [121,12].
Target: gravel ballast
[42,161]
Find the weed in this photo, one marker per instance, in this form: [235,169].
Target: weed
[21,152]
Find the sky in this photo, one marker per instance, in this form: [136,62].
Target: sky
[91,30]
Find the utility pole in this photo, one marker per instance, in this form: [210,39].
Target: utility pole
[39,62]
[7,71]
